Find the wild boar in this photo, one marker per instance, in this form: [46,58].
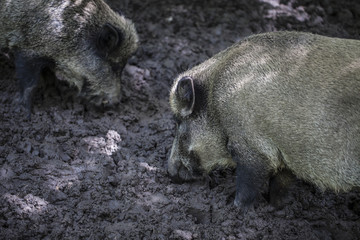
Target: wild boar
[274,103]
[84,42]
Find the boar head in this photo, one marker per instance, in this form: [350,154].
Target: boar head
[200,144]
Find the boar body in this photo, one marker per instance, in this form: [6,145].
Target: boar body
[83,42]
[271,103]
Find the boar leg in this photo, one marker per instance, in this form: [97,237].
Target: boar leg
[278,187]
[28,72]
[251,175]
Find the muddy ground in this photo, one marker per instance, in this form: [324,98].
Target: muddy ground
[76,173]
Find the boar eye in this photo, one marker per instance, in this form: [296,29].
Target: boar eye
[108,39]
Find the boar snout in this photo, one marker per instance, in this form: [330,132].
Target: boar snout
[182,175]
[175,178]
[103,101]
[179,173]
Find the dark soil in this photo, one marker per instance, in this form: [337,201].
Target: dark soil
[77,173]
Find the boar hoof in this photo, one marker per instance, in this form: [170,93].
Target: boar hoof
[245,200]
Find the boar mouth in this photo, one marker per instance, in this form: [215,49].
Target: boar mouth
[101,101]
[183,174]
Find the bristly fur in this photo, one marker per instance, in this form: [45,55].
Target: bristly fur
[276,101]
[67,32]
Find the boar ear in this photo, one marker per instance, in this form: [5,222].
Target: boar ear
[185,93]
[108,38]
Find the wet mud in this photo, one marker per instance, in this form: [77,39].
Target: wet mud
[73,172]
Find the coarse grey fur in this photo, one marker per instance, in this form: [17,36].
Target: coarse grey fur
[274,102]
[64,35]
